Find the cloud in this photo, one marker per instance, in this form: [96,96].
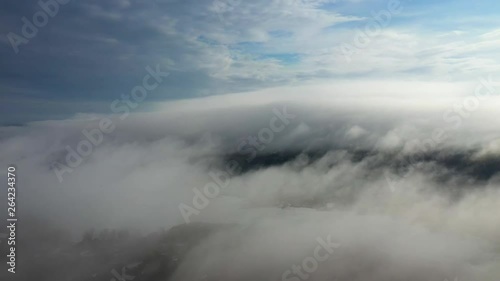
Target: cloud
[437,222]
[92,52]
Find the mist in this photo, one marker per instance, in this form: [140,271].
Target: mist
[402,178]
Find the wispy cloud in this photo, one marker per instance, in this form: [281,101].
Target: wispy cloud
[91,51]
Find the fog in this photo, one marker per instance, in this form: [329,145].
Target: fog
[403,177]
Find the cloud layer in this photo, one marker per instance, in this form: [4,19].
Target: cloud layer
[365,168]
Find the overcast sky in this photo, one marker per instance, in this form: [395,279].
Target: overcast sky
[90,52]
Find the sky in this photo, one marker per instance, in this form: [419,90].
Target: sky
[86,54]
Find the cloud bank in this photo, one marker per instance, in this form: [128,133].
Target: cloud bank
[405,184]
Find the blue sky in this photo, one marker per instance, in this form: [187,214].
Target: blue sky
[90,52]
